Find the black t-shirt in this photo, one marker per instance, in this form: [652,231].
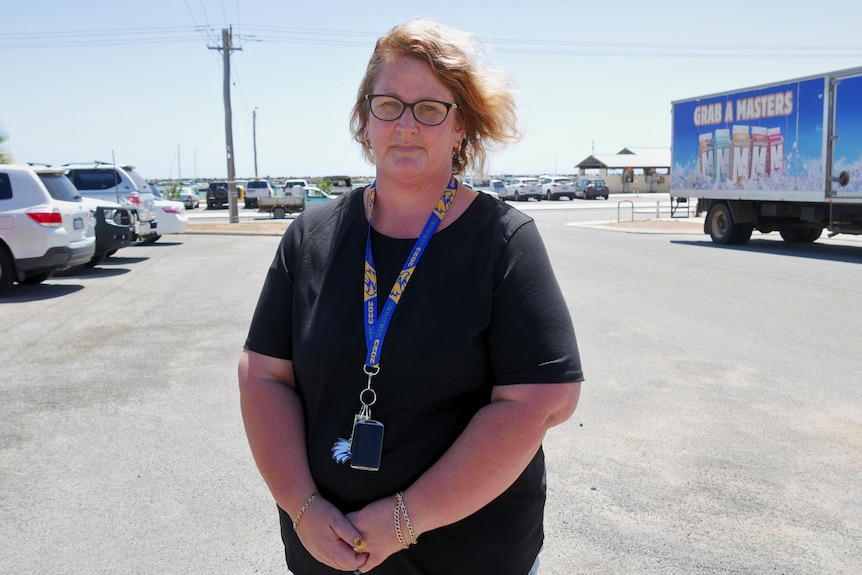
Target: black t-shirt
[482,308]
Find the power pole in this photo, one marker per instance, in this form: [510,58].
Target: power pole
[254,137]
[226,48]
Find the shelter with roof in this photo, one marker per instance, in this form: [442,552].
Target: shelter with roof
[630,169]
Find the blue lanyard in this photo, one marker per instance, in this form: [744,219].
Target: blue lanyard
[376,327]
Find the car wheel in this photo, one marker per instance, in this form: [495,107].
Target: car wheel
[96,260]
[36,278]
[7,271]
[517,197]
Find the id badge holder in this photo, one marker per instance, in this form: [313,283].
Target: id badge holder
[366,446]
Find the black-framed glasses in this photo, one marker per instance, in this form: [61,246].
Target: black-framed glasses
[427,112]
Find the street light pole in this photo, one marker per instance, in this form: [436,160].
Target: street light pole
[254,137]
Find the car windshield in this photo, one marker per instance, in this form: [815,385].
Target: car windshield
[563,181]
[256,185]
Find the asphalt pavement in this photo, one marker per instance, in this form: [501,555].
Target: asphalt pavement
[718,430]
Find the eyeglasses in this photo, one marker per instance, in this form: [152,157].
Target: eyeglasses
[427,112]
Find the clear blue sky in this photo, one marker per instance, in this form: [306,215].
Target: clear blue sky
[136,81]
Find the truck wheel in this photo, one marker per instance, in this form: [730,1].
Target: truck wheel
[7,271]
[278,212]
[801,235]
[723,230]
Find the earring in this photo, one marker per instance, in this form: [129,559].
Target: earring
[457,161]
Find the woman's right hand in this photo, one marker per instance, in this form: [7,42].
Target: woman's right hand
[328,536]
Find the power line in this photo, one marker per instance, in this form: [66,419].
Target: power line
[362,39]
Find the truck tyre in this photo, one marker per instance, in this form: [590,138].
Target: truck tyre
[723,230]
[278,212]
[801,235]
[7,271]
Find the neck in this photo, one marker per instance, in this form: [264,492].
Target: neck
[403,215]
[401,210]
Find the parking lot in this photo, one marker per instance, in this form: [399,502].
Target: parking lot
[718,430]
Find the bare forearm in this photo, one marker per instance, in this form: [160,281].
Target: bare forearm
[274,425]
[486,459]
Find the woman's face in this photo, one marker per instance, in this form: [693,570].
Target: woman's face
[404,148]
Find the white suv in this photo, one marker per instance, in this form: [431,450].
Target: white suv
[120,184]
[255,189]
[38,234]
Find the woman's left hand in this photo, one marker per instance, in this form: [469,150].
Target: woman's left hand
[376,522]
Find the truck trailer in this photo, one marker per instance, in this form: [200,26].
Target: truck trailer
[783,157]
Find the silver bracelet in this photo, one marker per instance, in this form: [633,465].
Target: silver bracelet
[400,508]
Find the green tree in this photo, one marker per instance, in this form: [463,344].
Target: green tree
[5,156]
[174,191]
[325,185]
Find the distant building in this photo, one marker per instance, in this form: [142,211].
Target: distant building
[642,169]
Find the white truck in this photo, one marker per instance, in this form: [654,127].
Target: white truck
[295,200]
[783,157]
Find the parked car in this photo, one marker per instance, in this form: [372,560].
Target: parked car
[255,189]
[497,187]
[217,195]
[520,189]
[114,225]
[189,198]
[118,184]
[494,188]
[38,234]
[556,187]
[339,184]
[589,188]
[171,215]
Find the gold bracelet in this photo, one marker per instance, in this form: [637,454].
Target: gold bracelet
[302,509]
[400,508]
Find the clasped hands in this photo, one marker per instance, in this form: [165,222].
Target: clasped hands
[356,542]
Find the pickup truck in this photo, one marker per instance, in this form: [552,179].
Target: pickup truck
[300,198]
[521,189]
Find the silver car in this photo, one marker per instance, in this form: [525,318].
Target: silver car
[120,184]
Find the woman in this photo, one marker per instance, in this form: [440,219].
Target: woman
[404,436]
